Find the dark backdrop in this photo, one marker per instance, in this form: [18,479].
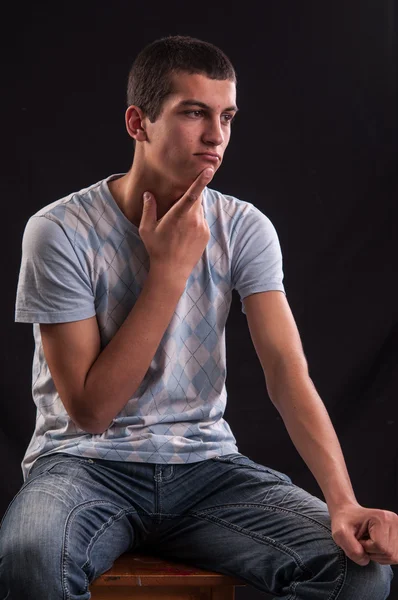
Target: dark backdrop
[314,147]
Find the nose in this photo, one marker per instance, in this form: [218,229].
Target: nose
[213,134]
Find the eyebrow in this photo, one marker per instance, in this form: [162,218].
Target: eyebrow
[194,102]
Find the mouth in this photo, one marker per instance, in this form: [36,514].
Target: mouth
[211,156]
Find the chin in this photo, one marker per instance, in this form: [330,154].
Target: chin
[185,177]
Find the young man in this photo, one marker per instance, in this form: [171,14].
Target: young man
[129,299]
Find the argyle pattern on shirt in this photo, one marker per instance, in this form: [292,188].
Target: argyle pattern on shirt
[82,258]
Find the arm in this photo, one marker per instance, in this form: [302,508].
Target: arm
[94,386]
[278,346]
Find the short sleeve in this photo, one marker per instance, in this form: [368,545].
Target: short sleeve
[53,287]
[256,264]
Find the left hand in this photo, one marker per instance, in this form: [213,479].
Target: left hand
[366,534]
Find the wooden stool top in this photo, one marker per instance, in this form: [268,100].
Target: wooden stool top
[139,570]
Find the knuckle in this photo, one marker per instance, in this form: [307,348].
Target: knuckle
[144,234]
[383,516]
[192,197]
[338,535]
[196,221]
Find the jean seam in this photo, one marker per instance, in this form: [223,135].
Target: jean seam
[252,465]
[343,565]
[269,507]
[263,540]
[260,538]
[55,457]
[221,524]
[104,527]
[65,554]
[342,557]
[158,500]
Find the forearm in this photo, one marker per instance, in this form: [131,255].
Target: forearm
[120,368]
[311,430]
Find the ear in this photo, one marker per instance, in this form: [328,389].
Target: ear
[135,123]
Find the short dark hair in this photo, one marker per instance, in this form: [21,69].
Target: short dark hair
[149,81]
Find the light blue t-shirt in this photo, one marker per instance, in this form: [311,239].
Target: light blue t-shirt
[81,257]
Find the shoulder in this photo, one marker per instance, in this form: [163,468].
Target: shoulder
[240,214]
[71,202]
[76,215]
[217,201]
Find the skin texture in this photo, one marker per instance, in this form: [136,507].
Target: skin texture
[94,386]
[166,161]
[364,534]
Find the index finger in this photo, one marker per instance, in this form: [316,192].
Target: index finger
[193,193]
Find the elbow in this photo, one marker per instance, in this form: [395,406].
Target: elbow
[88,421]
[91,426]
[94,428]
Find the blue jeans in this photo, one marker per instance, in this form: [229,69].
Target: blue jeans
[74,516]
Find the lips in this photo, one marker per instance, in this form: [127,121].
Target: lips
[212,155]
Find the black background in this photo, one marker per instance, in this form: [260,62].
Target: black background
[314,147]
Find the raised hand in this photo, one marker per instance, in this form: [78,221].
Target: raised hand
[176,242]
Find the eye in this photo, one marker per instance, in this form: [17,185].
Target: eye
[228,118]
[194,114]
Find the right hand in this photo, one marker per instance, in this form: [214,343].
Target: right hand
[176,242]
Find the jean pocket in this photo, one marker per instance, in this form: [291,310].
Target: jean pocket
[228,458]
[45,463]
[245,461]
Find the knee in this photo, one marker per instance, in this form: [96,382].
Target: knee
[372,582]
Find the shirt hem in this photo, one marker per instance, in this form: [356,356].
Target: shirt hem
[22,316]
[277,287]
[154,457]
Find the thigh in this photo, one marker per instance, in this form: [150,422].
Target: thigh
[250,521]
[237,517]
[63,528]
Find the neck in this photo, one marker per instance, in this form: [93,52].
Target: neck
[128,192]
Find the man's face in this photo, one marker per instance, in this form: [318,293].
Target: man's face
[193,128]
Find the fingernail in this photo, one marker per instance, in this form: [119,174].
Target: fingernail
[147,196]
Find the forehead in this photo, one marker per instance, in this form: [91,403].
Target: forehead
[218,94]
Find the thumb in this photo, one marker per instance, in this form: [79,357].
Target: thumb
[369,546]
[351,546]
[148,218]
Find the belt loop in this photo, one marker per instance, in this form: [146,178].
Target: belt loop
[158,473]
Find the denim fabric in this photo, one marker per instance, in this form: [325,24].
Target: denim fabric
[74,516]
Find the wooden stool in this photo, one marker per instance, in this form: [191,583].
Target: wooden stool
[141,577]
